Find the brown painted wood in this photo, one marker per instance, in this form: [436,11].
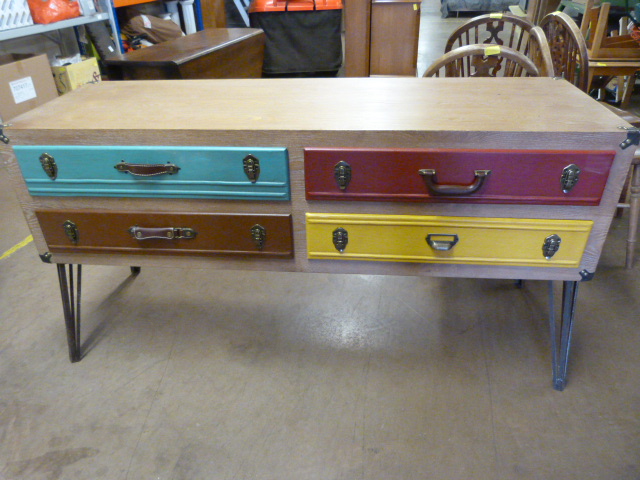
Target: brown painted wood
[394,37]
[517,176]
[357,37]
[213,14]
[216,233]
[210,53]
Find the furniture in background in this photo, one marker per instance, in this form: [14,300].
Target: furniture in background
[210,53]
[609,55]
[115,25]
[631,200]
[447,7]
[506,30]
[378,32]
[483,60]
[395,28]
[28,28]
[571,62]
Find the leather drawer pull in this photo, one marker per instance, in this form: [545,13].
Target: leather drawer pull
[446,243]
[147,170]
[434,187]
[169,233]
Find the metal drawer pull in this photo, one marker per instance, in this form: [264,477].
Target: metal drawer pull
[169,233]
[434,187]
[446,243]
[147,170]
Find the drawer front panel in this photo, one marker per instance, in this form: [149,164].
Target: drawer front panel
[432,239]
[438,175]
[84,231]
[198,172]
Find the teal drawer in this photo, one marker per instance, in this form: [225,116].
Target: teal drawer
[234,173]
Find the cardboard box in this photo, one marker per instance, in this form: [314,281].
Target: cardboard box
[75,75]
[25,83]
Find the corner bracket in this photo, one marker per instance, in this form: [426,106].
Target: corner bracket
[633,137]
[45,257]
[586,275]
[3,137]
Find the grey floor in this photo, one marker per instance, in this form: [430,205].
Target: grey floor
[234,375]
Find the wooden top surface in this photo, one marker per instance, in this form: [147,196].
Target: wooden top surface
[184,49]
[333,104]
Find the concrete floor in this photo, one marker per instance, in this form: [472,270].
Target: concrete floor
[236,375]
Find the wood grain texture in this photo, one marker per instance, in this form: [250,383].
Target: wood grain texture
[400,105]
[535,113]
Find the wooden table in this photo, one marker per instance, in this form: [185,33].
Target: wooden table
[400,176]
[210,53]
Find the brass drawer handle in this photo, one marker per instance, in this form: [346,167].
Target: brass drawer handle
[446,243]
[436,188]
[147,170]
[169,233]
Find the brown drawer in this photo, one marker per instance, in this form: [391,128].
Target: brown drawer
[94,231]
[544,177]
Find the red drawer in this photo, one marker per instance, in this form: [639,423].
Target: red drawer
[545,177]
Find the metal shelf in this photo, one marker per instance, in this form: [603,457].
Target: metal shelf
[36,29]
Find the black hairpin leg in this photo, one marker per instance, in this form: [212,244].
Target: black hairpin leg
[561,341]
[71,292]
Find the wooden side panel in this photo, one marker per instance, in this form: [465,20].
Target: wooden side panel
[205,172]
[517,176]
[395,26]
[474,241]
[216,233]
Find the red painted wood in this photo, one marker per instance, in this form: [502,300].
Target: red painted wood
[517,176]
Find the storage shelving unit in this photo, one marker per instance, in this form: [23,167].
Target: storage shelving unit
[108,15]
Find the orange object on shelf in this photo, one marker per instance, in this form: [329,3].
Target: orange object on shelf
[293,5]
[126,3]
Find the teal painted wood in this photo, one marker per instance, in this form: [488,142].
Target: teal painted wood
[205,172]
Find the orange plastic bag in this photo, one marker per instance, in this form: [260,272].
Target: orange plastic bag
[49,11]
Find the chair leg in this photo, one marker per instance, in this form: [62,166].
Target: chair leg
[629,84]
[634,213]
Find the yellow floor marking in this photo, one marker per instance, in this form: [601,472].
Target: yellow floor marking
[17,247]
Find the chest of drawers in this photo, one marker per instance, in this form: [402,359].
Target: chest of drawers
[492,178]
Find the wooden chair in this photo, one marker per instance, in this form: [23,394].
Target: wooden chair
[609,55]
[506,30]
[483,61]
[571,61]
[568,49]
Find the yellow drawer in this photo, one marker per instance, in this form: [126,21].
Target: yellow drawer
[434,239]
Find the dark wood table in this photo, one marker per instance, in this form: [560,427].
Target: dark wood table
[210,53]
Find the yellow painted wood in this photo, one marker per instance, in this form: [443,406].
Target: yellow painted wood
[481,241]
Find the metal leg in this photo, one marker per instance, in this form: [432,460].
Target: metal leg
[561,343]
[71,293]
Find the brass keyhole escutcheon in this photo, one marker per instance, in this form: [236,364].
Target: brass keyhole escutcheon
[259,235]
[570,177]
[251,167]
[551,245]
[71,230]
[342,174]
[340,239]
[49,165]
